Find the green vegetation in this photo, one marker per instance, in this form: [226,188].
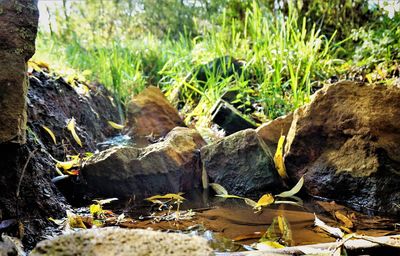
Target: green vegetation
[284,52]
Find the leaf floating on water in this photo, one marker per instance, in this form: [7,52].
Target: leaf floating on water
[105,201]
[170,196]
[288,202]
[294,190]
[50,132]
[278,158]
[115,125]
[71,128]
[220,190]
[336,232]
[343,218]
[250,202]
[264,201]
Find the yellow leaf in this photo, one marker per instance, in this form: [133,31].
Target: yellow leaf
[264,201]
[68,164]
[105,201]
[279,230]
[229,196]
[42,64]
[176,197]
[71,128]
[220,190]
[33,65]
[50,132]
[269,245]
[115,125]
[278,158]
[96,210]
[75,221]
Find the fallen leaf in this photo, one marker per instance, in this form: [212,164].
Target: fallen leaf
[336,232]
[115,125]
[343,218]
[73,172]
[75,221]
[294,190]
[220,190]
[105,201]
[230,196]
[58,222]
[96,211]
[50,132]
[250,202]
[170,196]
[71,128]
[278,158]
[264,201]
[68,164]
[268,245]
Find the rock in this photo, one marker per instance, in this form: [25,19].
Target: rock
[18,27]
[241,163]
[117,241]
[271,132]
[169,166]
[346,142]
[229,118]
[151,115]
[52,102]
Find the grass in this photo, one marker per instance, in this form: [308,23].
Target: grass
[283,59]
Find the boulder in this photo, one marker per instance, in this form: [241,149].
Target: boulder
[169,166]
[151,115]
[271,131]
[241,163]
[18,27]
[117,241]
[346,142]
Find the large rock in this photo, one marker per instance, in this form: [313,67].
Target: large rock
[347,144]
[151,115]
[170,166]
[241,163]
[18,27]
[117,241]
[271,132]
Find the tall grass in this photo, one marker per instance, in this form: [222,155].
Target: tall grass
[282,59]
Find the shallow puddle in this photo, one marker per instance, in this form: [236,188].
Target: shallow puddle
[230,224]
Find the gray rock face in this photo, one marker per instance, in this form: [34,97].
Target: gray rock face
[116,241]
[18,27]
[347,144]
[241,163]
[170,166]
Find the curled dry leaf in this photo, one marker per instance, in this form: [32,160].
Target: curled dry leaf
[222,192]
[250,202]
[71,128]
[50,132]
[278,158]
[105,201]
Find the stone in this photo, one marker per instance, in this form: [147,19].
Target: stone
[271,131]
[169,166]
[150,114]
[346,143]
[18,27]
[117,241]
[242,164]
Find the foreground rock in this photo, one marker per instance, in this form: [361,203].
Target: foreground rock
[18,27]
[271,132]
[169,166]
[241,163]
[116,241]
[347,144]
[150,115]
